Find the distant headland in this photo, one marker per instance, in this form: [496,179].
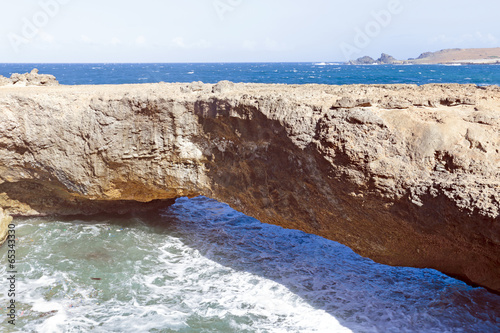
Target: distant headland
[407,175]
[448,56]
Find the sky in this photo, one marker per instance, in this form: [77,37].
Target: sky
[86,31]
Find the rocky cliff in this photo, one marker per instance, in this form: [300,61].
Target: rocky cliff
[460,56]
[405,175]
[447,56]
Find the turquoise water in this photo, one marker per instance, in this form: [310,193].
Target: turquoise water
[291,73]
[203,267]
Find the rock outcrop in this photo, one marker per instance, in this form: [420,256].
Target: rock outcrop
[460,56]
[384,59]
[447,56]
[366,60]
[405,175]
[387,59]
[29,79]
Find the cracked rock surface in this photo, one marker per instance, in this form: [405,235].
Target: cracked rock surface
[403,174]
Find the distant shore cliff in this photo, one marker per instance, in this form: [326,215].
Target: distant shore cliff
[405,175]
[448,56]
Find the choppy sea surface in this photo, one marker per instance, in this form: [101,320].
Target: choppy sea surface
[290,73]
[200,266]
[203,267]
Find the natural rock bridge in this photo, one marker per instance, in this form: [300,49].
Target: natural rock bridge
[402,174]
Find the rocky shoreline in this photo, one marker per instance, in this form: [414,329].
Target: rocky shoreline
[404,174]
[489,56]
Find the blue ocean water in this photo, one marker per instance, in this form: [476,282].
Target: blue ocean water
[289,73]
[202,267]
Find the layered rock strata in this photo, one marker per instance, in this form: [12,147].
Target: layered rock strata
[402,174]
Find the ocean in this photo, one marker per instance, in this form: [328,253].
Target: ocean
[289,73]
[200,266]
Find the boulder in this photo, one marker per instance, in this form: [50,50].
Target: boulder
[33,79]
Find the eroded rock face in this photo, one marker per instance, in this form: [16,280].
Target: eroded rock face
[405,175]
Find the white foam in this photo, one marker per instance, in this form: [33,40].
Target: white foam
[212,267]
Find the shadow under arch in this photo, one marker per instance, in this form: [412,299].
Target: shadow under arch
[362,295]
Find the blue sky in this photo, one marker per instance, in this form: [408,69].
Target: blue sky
[239,30]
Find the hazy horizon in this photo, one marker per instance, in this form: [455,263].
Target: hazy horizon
[239,31]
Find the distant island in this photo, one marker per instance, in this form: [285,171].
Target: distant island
[448,56]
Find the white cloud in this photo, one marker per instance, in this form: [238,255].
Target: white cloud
[487,39]
[115,41]
[48,38]
[86,39]
[249,45]
[141,40]
[483,38]
[179,41]
[201,44]
[272,45]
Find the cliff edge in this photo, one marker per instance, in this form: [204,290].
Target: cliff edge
[403,174]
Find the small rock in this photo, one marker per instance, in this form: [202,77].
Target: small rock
[193,87]
[365,117]
[486,118]
[345,102]
[32,79]
[222,86]
[4,81]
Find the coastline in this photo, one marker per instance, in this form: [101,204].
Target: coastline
[488,56]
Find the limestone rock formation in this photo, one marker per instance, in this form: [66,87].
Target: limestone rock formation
[29,79]
[404,174]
